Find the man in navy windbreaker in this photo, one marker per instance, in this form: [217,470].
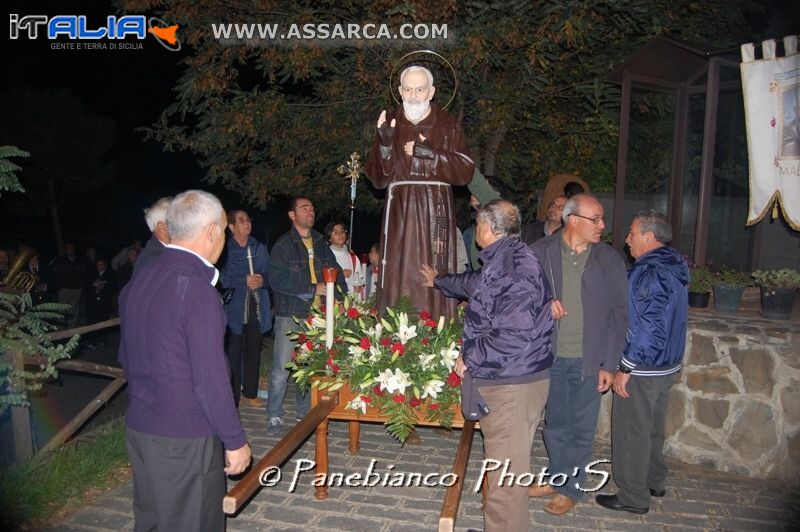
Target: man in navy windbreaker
[657,313]
[506,350]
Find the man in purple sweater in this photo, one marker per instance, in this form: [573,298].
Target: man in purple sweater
[180,407]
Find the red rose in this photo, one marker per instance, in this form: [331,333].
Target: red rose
[425,341]
[310,318]
[453,379]
[399,398]
[373,311]
[399,348]
[353,313]
[377,390]
[433,406]
[331,352]
[414,402]
[386,341]
[302,338]
[365,343]
[310,345]
[366,399]
[425,315]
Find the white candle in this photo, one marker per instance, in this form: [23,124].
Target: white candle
[329,303]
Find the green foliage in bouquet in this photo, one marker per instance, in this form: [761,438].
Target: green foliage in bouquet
[400,363]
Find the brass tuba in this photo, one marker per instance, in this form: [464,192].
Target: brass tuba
[17,279]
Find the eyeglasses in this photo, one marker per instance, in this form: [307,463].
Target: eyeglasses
[595,221]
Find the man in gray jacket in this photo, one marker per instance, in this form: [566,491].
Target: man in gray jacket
[590,286]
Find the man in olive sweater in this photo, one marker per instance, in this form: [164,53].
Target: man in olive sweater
[180,407]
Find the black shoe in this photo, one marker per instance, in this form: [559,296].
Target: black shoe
[612,502]
[658,493]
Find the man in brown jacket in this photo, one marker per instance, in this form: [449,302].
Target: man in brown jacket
[418,153]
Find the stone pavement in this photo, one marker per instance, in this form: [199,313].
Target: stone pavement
[697,497]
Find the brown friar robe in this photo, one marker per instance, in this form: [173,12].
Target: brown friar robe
[419,225]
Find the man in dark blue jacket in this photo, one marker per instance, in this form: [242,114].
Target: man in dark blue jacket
[506,350]
[657,309]
[295,276]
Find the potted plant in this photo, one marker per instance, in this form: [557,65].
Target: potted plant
[778,289]
[728,285]
[699,284]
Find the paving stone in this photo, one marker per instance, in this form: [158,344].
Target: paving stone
[741,524]
[352,523]
[676,520]
[97,518]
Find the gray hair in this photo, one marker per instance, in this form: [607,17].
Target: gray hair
[157,213]
[502,216]
[416,68]
[573,205]
[190,212]
[652,221]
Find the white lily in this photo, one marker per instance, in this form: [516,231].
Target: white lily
[432,388]
[317,322]
[404,332]
[449,356]
[440,325]
[357,403]
[356,350]
[374,354]
[394,382]
[374,332]
[425,361]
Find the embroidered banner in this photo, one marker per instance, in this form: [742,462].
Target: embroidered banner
[772,110]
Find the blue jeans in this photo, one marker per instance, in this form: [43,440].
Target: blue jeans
[573,405]
[279,378]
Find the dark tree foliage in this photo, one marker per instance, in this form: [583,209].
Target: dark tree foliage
[276,118]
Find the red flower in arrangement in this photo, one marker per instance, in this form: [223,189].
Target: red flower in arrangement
[367,399]
[430,323]
[414,402]
[310,319]
[331,352]
[301,338]
[353,313]
[365,343]
[433,406]
[386,341]
[425,341]
[399,348]
[373,311]
[399,398]
[310,345]
[334,367]
[425,315]
[453,379]
[377,390]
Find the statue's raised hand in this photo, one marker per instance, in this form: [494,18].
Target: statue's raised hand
[385,130]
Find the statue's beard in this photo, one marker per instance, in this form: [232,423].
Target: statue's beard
[414,111]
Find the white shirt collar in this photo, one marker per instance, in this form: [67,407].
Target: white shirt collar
[205,261]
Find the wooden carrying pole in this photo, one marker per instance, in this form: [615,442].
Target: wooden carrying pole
[248,485]
[452,497]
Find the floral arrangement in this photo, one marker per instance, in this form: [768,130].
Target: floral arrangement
[401,363]
[700,277]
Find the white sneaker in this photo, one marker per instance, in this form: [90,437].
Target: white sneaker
[275,421]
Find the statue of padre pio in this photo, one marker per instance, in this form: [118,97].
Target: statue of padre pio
[419,151]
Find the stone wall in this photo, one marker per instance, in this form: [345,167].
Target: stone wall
[736,404]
